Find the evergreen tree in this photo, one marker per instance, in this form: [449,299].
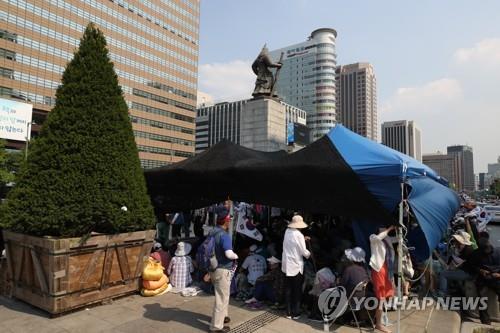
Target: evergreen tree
[84,166]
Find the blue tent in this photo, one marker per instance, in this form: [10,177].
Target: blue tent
[382,170]
[341,174]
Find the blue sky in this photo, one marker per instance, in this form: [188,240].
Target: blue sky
[437,62]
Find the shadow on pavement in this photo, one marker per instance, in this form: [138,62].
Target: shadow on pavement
[166,314]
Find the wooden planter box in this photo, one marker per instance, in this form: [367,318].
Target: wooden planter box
[61,274]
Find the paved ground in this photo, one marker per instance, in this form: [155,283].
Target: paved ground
[177,314]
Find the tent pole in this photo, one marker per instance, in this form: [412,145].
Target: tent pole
[400,258]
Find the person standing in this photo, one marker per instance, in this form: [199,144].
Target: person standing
[221,277]
[381,260]
[292,264]
[177,222]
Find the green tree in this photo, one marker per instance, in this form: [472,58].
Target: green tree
[495,187]
[6,175]
[84,166]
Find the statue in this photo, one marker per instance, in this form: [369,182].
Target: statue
[264,85]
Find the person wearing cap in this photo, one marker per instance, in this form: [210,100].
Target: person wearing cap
[269,286]
[292,264]
[181,267]
[221,277]
[461,251]
[355,272]
[161,255]
[255,264]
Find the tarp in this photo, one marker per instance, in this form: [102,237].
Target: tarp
[341,174]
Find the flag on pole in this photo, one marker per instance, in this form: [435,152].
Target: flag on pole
[245,224]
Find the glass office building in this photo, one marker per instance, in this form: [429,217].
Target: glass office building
[154,47]
[307,79]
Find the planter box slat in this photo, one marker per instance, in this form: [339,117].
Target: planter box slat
[59,275]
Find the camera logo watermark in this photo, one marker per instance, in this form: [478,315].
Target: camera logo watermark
[334,302]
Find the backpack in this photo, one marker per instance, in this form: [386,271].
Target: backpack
[207,261]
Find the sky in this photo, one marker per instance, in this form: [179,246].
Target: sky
[436,62]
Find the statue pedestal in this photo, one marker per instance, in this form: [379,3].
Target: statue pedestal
[263,124]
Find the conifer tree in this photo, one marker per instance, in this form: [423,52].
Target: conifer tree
[84,168]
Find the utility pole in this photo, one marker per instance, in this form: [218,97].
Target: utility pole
[28,129]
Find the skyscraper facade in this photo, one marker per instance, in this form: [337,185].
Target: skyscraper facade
[446,166]
[466,161]
[403,136]
[307,79]
[356,87]
[154,47]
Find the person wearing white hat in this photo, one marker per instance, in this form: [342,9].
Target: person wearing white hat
[255,264]
[181,267]
[269,286]
[356,271]
[462,249]
[292,264]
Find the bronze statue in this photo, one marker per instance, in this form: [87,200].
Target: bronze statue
[264,85]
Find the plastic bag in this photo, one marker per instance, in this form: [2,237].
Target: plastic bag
[152,285]
[153,270]
[148,293]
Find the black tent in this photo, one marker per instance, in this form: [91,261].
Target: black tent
[315,179]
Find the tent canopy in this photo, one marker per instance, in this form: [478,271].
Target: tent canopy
[342,174]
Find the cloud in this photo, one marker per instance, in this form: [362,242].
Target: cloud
[462,108]
[229,81]
[485,54]
[434,96]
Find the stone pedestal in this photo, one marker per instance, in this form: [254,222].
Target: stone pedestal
[263,125]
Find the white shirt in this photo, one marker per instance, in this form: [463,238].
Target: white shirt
[256,266]
[378,250]
[294,251]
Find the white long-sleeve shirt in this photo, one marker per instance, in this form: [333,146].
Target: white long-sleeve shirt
[294,251]
[378,250]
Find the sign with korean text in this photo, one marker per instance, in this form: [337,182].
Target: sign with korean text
[15,120]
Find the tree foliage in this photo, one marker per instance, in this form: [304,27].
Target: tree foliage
[84,166]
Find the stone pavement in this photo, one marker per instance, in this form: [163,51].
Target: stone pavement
[177,314]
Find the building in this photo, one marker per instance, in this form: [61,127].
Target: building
[446,166]
[466,161]
[259,124]
[494,169]
[356,108]
[403,136]
[153,44]
[307,79]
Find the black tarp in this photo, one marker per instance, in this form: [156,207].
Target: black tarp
[315,179]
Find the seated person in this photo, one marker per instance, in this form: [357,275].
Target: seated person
[324,279]
[355,271]
[484,265]
[181,267]
[270,286]
[161,255]
[462,249]
[255,264]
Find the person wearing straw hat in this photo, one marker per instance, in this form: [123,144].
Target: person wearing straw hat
[356,271]
[292,264]
[181,267]
[461,251]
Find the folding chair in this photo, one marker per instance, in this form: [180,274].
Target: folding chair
[360,287]
[356,307]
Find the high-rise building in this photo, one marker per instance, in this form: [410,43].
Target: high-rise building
[403,136]
[154,47]
[260,124]
[494,169]
[357,99]
[446,166]
[307,79]
[466,160]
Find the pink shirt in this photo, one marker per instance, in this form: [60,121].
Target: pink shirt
[163,257]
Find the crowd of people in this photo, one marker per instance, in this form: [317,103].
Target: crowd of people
[295,261]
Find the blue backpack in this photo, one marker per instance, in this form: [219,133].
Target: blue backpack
[207,261]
